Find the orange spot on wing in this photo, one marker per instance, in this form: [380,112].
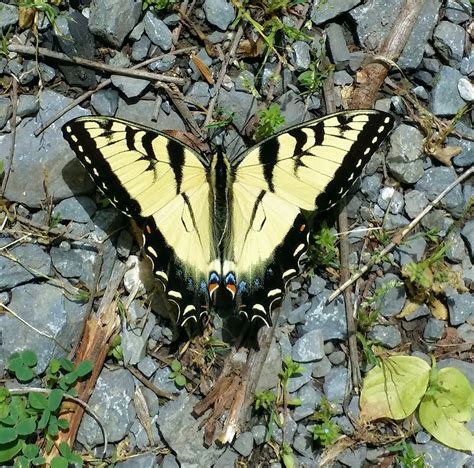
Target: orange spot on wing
[232,289]
[148,229]
[212,287]
[302,227]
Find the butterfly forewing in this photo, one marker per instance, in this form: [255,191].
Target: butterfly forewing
[308,167]
[155,179]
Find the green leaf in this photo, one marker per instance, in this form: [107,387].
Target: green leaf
[24,374]
[65,450]
[26,427]
[70,378]
[445,412]
[37,400]
[43,422]
[75,458]
[67,365]
[30,451]
[8,451]
[59,462]
[180,380]
[55,399]
[394,389]
[294,402]
[7,434]
[84,368]
[63,424]
[175,365]
[29,358]
[54,366]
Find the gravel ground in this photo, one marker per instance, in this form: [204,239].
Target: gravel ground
[212,67]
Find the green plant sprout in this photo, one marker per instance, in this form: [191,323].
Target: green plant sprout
[325,432]
[270,119]
[177,374]
[323,251]
[29,417]
[406,456]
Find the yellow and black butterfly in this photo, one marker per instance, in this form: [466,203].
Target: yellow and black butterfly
[217,229]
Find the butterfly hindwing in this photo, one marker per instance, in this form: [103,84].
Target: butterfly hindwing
[159,181]
[308,167]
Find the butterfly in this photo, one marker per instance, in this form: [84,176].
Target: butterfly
[220,230]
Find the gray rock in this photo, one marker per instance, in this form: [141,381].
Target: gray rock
[245,81]
[446,100]
[165,63]
[142,112]
[290,430]
[79,209]
[303,444]
[135,334]
[420,92]
[330,319]
[370,186]
[422,437]
[158,32]
[342,78]
[172,20]
[227,460]
[140,49]
[460,306]
[46,72]
[353,457]
[113,20]
[415,203]
[316,286]
[66,261]
[164,382]
[438,220]
[74,38]
[337,46]
[300,56]
[28,104]
[314,102]
[373,20]
[309,395]
[244,443]
[426,20]
[456,251]
[131,87]
[458,11]
[271,368]
[395,221]
[467,233]
[432,65]
[404,156]
[46,308]
[467,65]
[325,10]
[424,77]
[356,59]
[412,250]
[337,358]
[258,433]
[119,60]
[391,199]
[199,93]
[105,101]
[137,32]
[111,400]
[216,37]
[322,368]
[335,384]
[242,104]
[142,461]
[292,108]
[8,16]
[147,366]
[49,154]
[448,40]
[434,181]
[299,314]
[30,257]
[465,332]
[298,380]
[5,111]
[141,436]
[177,424]
[434,329]
[388,336]
[309,347]
[466,89]
[440,456]
[219,13]
[392,301]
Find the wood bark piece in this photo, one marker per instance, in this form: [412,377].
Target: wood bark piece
[371,77]
[100,329]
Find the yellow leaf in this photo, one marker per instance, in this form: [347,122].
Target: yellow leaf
[395,389]
[444,412]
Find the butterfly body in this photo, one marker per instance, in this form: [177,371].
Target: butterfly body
[219,230]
